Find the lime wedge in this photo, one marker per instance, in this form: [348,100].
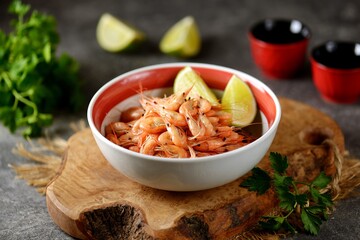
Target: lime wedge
[187,78]
[114,35]
[239,100]
[182,39]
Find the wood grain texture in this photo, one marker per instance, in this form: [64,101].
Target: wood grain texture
[91,200]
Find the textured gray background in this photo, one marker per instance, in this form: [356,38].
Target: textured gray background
[223,25]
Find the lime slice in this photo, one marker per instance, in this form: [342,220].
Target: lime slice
[187,78]
[239,100]
[114,35]
[182,39]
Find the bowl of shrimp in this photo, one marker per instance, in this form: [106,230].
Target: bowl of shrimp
[171,141]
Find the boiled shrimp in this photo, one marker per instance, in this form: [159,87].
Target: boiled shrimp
[173,151]
[214,120]
[172,117]
[223,131]
[204,105]
[178,136]
[176,126]
[189,108]
[211,113]
[129,139]
[118,128]
[224,117]
[204,154]
[209,127]
[165,138]
[113,138]
[131,114]
[174,101]
[134,148]
[149,145]
[228,148]
[209,145]
[196,127]
[152,124]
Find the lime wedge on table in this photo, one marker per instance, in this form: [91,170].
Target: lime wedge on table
[187,78]
[114,35]
[182,39]
[239,100]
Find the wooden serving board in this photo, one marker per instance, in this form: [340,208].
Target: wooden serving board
[91,200]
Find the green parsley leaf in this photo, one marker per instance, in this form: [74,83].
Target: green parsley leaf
[326,200]
[287,226]
[282,181]
[323,199]
[311,221]
[258,182]
[282,187]
[301,199]
[278,162]
[287,201]
[321,181]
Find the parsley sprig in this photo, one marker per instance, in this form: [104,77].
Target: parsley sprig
[34,82]
[311,205]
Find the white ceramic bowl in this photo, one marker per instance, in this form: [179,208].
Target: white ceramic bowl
[188,174]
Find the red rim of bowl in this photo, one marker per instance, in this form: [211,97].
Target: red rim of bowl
[213,74]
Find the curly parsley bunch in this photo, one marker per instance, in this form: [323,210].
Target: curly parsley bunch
[34,82]
[312,205]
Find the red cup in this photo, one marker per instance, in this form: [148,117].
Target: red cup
[336,71]
[279,46]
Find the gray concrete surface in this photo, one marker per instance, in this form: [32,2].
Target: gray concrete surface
[223,25]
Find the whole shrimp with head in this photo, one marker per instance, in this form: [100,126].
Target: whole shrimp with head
[177,126]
